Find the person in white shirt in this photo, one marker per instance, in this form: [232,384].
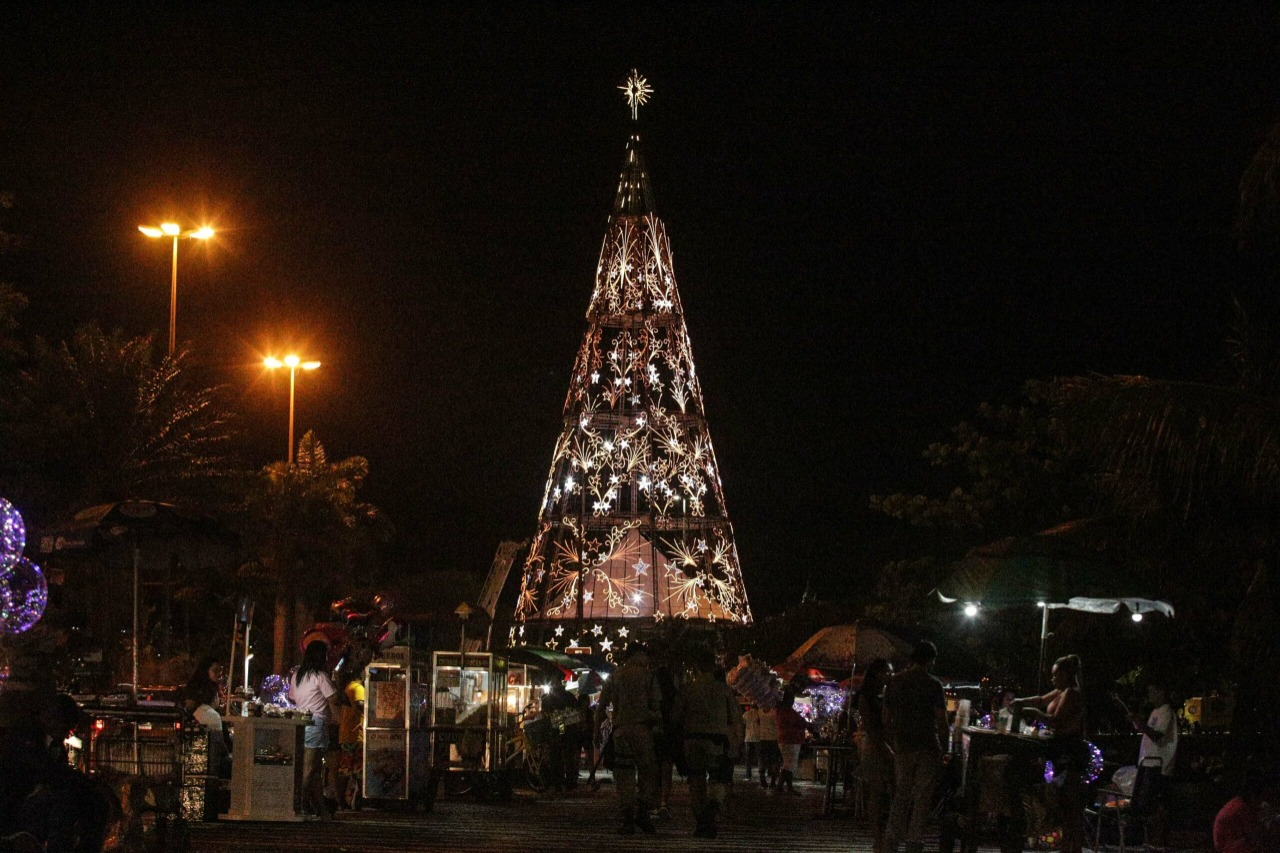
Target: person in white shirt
[1159,740]
[311,690]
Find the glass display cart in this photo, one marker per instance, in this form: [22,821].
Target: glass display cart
[469,718]
[396,738]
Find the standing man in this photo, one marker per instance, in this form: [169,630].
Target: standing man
[915,713]
[633,693]
[751,728]
[1159,740]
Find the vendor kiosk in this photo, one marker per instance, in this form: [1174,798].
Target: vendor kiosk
[266,768]
[396,712]
[469,712]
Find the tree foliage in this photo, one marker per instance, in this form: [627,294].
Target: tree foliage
[310,536]
[97,419]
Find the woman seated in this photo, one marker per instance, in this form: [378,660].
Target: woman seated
[200,699]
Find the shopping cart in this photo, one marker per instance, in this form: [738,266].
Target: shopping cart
[143,756]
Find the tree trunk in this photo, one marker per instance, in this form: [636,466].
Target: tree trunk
[284,632]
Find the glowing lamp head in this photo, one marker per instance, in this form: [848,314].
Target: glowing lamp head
[170,229]
[150,231]
[310,365]
[291,361]
[202,233]
[272,363]
[1137,617]
[971,610]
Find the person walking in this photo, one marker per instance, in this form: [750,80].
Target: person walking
[667,742]
[770,756]
[915,716]
[875,755]
[707,714]
[791,732]
[751,735]
[311,690]
[633,694]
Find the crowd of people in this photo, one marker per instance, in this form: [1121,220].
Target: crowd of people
[645,724]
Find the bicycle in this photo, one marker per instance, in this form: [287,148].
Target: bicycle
[527,760]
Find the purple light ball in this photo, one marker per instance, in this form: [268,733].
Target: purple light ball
[23,596]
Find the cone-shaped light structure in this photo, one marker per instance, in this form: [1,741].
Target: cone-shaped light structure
[632,528]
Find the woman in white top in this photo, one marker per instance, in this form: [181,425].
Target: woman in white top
[311,690]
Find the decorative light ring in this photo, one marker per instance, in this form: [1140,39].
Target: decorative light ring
[1090,773]
[23,596]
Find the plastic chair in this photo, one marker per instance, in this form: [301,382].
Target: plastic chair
[1125,809]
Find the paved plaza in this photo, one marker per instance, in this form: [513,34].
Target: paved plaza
[580,821]
[583,822]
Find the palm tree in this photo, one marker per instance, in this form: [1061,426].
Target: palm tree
[1204,458]
[94,419]
[310,533]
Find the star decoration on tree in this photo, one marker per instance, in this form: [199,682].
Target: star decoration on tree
[637,90]
[559,630]
[623,632]
[606,645]
[597,630]
[641,567]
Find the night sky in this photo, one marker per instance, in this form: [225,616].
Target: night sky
[881,216]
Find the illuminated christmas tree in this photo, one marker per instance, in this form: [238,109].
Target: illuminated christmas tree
[633,528]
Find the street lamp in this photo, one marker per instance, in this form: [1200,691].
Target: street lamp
[170,229]
[293,363]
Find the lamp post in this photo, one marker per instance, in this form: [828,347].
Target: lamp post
[293,363]
[170,229]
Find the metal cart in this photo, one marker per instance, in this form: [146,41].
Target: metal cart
[396,739]
[139,753]
[469,722]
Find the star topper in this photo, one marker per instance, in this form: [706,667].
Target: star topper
[637,90]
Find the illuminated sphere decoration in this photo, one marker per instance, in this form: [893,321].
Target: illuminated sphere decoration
[23,596]
[13,533]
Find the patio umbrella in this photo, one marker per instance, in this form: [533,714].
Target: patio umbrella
[843,647]
[105,527]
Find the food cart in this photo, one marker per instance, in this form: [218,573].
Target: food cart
[469,720]
[395,727]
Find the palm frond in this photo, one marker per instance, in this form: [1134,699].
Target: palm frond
[1195,444]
